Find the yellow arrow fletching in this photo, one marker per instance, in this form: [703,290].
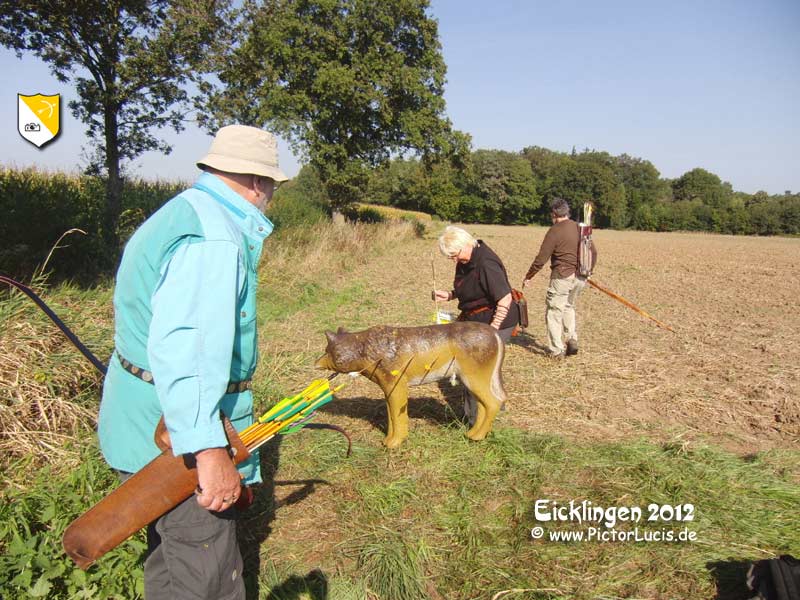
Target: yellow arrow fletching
[312,390]
[277,408]
[271,423]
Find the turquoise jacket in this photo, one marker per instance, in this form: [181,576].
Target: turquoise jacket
[185,310]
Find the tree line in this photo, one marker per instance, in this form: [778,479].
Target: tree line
[515,188]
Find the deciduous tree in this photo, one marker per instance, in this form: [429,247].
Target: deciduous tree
[132,63]
[583,179]
[349,82]
[506,182]
[643,183]
[699,184]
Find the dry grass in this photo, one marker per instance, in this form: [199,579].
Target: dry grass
[391,212]
[47,389]
[49,392]
[301,255]
[458,512]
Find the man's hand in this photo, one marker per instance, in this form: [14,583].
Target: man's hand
[440,295]
[525,283]
[219,482]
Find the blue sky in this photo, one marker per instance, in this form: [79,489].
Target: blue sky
[712,84]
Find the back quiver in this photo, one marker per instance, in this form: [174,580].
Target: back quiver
[585,257]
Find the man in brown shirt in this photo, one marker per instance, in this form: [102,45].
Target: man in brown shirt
[560,246]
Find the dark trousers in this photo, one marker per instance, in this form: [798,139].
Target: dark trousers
[193,554]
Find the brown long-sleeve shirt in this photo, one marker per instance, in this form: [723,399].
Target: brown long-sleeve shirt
[560,245]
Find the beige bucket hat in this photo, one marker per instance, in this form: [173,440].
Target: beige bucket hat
[246,150]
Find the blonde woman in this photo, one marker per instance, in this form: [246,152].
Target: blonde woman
[481,287]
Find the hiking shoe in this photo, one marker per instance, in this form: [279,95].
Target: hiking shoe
[572,347]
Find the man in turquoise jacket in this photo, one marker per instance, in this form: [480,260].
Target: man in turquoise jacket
[186,348]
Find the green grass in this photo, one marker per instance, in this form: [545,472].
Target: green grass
[32,521]
[285,302]
[457,515]
[280,582]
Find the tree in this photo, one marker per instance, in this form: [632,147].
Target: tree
[489,181]
[543,162]
[398,183]
[349,82]
[645,218]
[301,201]
[643,183]
[585,179]
[445,197]
[758,198]
[699,184]
[765,218]
[132,62]
[790,213]
[523,201]
[506,183]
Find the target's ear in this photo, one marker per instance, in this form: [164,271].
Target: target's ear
[341,330]
[330,335]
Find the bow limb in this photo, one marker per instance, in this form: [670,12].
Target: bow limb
[58,322]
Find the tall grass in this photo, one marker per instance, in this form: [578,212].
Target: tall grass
[303,265]
[47,390]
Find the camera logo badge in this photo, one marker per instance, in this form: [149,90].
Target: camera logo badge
[38,118]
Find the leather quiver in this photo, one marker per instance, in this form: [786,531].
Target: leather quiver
[160,486]
[522,305]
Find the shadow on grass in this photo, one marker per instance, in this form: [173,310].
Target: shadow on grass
[730,577]
[314,586]
[432,409]
[369,409]
[530,343]
[254,526]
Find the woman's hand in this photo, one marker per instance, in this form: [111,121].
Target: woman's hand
[440,295]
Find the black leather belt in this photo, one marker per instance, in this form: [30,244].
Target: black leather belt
[234,387]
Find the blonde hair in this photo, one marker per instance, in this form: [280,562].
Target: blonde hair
[454,240]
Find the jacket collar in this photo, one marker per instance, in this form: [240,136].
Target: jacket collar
[252,221]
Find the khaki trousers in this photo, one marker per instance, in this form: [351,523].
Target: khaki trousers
[562,294]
